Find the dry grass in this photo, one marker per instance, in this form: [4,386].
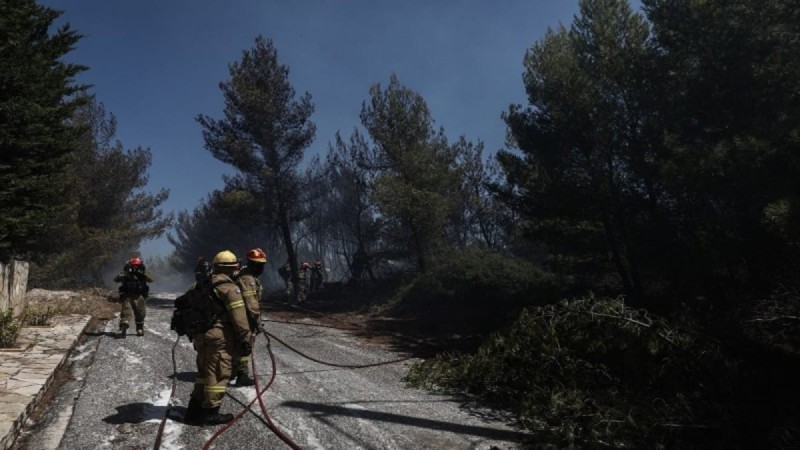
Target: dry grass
[101,304]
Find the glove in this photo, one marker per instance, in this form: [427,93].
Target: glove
[245,349]
[254,328]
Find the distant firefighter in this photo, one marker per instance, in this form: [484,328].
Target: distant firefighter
[133,292]
[302,281]
[285,272]
[317,276]
[202,270]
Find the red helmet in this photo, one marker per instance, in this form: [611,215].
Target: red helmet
[257,255]
[317,262]
[304,265]
[136,261]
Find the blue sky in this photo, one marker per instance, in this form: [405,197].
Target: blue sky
[157,64]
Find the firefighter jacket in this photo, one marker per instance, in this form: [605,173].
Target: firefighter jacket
[251,292]
[134,282]
[230,298]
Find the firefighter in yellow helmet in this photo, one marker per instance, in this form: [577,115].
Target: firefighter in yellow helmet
[228,334]
[248,282]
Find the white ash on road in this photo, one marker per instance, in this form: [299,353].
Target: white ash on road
[121,388]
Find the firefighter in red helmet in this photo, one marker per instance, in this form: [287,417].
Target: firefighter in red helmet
[133,292]
[252,290]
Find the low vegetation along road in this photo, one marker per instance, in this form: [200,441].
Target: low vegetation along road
[117,391]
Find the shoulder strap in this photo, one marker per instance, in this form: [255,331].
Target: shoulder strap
[220,283]
[213,288]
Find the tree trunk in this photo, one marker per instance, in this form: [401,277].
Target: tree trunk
[286,233]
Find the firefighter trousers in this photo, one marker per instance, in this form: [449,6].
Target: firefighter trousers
[133,307]
[214,349]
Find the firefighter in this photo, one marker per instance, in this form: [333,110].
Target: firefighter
[229,334]
[133,292]
[316,276]
[285,272]
[248,282]
[202,270]
[182,315]
[302,277]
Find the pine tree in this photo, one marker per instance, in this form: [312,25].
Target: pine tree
[264,134]
[417,180]
[107,212]
[580,173]
[36,100]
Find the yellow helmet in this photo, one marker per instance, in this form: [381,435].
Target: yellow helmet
[226,258]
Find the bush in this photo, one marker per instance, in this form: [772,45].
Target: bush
[39,315]
[9,329]
[595,373]
[481,279]
[473,292]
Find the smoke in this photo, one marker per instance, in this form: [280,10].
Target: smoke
[167,278]
[171,281]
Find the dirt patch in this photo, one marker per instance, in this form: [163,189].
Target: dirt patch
[417,335]
[101,304]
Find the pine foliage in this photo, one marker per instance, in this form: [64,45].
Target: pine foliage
[37,99]
[107,212]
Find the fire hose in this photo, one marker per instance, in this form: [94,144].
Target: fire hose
[259,392]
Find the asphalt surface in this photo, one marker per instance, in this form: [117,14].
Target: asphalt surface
[120,389]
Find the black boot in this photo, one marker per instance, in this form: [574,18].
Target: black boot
[194,412]
[213,417]
[140,330]
[123,331]
[244,380]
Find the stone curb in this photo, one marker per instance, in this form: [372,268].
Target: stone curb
[22,381]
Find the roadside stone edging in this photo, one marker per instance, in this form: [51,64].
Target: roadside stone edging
[25,376]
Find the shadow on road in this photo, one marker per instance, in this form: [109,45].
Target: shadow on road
[100,333]
[161,303]
[185,376]
[136,413]
[324,410]
[413,336]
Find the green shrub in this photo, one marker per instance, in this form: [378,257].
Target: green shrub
[39,315]
[593,373]
[472,292]
[9,329]
[476,278]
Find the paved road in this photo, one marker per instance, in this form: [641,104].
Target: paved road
[120,389]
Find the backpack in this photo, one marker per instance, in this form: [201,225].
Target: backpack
[134,283]
[194,312]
